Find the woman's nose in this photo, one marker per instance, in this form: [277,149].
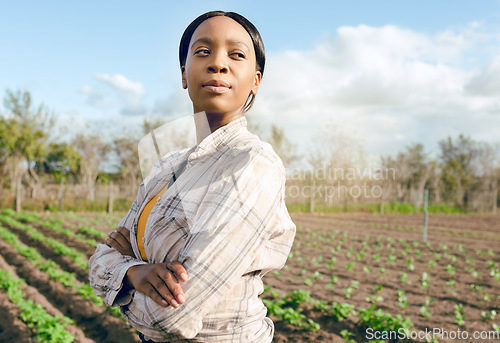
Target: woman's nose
[217,64]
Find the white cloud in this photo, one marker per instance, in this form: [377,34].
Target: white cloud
[125,95]
[85,89]
[487,81]
[388,85]
[123,85]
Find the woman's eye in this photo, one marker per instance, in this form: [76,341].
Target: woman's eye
[202,51]
[239,55]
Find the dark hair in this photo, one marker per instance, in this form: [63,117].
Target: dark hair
[258,44]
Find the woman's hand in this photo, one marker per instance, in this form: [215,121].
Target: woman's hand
[159,281]
[120,240]
[156,280]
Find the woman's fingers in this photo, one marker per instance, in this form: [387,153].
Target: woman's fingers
[164,287]
[158,291]
[111,242]
[157,282]
[168,285]
[120,240]
[179,270]
[124,232]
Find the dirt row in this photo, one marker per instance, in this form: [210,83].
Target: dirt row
[474,232]
[93,321]
[310,244]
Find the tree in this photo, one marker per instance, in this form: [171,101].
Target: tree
[25,140]
[93,151]
[458,168]
[126,150]
[282,146]
[62,161]
[489,174]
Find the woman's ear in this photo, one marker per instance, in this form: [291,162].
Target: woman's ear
[256,82]
[184,81]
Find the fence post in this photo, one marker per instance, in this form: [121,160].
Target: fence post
[110,197]
[313,193]
[426,196]
[61,195]
[18,194]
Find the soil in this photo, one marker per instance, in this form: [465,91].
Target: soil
[468,243]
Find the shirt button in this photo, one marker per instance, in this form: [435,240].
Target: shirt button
[143,240]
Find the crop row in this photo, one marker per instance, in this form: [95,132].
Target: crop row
[54,271]
[79,258]
[47,327]
[289,307]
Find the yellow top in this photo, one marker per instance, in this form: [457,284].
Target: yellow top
[143,218]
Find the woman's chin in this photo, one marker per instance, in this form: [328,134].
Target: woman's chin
[215,108]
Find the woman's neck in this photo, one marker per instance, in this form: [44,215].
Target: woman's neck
[207,123]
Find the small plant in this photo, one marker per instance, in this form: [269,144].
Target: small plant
[409,264]
[451,258]
[402,299]
[450,269]
[404,278]
[476,288]
[487,316]
[425,312]
[459,314]
[361,255]
[425,281]
[374,298]
[350,265]
[485,297]
[431,264]
[461,248]
[391,259]
[317,261]
[347,336]
[308,281]
[341,311]
[332,262]
[348,292]
[428,301]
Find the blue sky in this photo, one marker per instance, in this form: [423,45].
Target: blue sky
[116,61]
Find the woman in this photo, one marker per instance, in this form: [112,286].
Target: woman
[186,262]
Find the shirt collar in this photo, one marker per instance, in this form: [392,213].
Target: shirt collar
[217,139]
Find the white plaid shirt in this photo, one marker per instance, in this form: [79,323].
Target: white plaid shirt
[226,221]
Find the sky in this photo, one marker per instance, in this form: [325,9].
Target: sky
[384,74]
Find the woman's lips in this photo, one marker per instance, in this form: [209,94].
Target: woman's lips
[216,89]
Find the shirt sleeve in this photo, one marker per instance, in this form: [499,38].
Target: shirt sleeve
[231,223]
[107,267]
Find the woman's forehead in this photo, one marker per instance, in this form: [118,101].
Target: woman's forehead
[221,28]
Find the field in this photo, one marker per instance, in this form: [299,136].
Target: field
[347,275]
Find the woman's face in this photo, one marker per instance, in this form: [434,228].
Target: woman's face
[220,70]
